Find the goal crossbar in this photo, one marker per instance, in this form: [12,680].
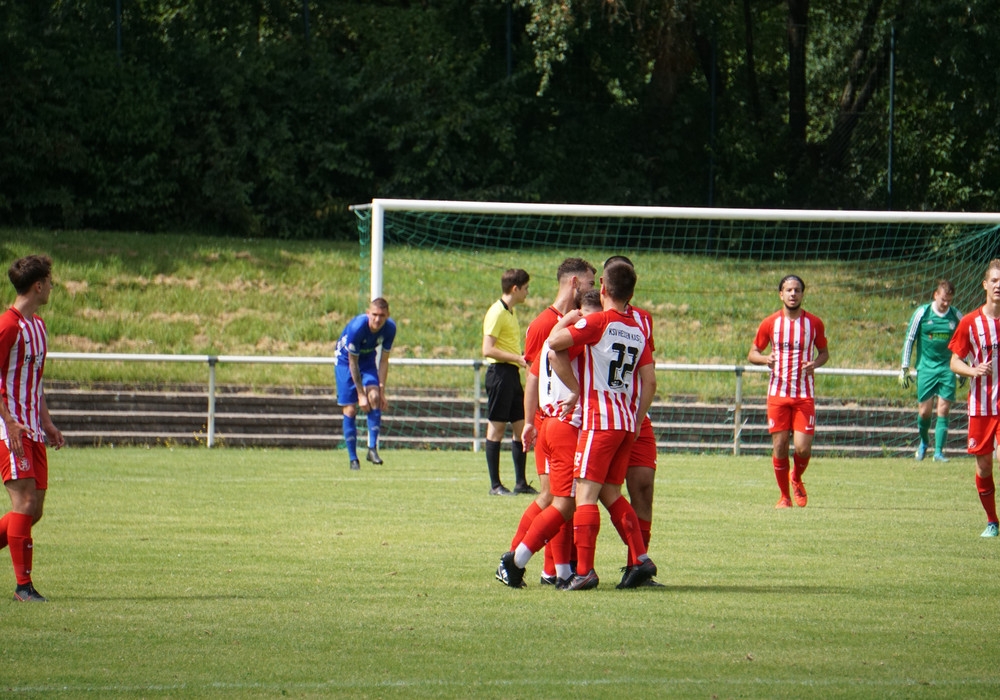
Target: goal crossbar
[379,206]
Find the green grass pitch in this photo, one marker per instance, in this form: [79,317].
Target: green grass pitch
[176,573]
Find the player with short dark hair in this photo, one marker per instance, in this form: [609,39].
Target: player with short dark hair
[641,476]
[928,333]
[974,348]
[25,423]
[798,348]
[556,438]
[366,337]
[617,384]
[574,277]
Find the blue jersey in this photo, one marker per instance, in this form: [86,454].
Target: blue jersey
[358,339]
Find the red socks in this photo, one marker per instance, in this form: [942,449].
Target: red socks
[625,521]
[646,528]
[781,476]
[561,546]
[530,513]
[800,468]
[19,539]
[543,529]
[586,526]
[987,496]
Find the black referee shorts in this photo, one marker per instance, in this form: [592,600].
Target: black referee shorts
[505,393]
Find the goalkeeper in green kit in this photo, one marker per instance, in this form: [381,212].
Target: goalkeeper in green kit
[929,331]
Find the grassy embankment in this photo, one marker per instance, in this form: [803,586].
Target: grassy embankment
[188,294]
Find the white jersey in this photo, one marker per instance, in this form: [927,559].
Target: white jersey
[615,347]
[552,392]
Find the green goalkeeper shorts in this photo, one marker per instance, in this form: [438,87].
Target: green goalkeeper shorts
[939,383]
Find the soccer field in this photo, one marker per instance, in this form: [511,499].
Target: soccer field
[262,573]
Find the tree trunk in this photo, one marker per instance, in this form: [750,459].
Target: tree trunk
[798,117]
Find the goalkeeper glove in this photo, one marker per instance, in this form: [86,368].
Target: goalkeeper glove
[963,380]
[904,378]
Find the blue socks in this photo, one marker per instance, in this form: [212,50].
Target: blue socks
[351,436]
[374,425]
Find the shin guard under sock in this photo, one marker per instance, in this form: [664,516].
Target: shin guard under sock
[800,464]
[529,514]
[940,434]
[520,462]
[623,517]
[987,496]
[781,476]
[374,419]
[19,540]
[351,436]
[586,527]
[923,429]
[493,461]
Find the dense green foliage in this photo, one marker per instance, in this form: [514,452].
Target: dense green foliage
[270,118]
[373,586]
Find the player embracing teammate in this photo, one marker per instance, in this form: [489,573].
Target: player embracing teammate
[615,381]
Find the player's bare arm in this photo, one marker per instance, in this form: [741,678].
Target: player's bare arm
[821,359]
[530,432]
[756,356]
[962,369]
[647,392]
[352,360]
[14,429]
[53,435]
[383,375]
[491,351]
[568,319]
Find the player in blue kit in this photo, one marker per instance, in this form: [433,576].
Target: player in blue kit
[366,337]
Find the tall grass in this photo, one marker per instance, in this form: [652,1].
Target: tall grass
[186,294]
[191,573]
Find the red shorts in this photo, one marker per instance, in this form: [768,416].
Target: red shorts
[603,456]
[541,450]
[984,434]
[785,414]
[34,464]
[561,441]
[644,448]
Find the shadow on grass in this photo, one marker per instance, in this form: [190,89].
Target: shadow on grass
[778,590]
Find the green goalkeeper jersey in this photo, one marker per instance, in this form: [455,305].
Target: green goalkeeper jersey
[929,334]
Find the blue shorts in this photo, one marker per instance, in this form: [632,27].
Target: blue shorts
[347,393]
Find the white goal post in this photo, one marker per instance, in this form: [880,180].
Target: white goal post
[379,207]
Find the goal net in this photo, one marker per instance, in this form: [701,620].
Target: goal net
[708,276]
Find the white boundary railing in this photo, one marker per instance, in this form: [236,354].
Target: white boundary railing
[211,361]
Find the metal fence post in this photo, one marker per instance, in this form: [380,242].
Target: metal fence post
[738,412]
[477,366]
[212,361]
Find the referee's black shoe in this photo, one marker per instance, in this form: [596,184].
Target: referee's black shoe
[373,456]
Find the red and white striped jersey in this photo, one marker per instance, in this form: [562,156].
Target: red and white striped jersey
[793,342]
[615,347]
[977,339]
[645,321]
[23,345]
[538,332]
[551,390]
